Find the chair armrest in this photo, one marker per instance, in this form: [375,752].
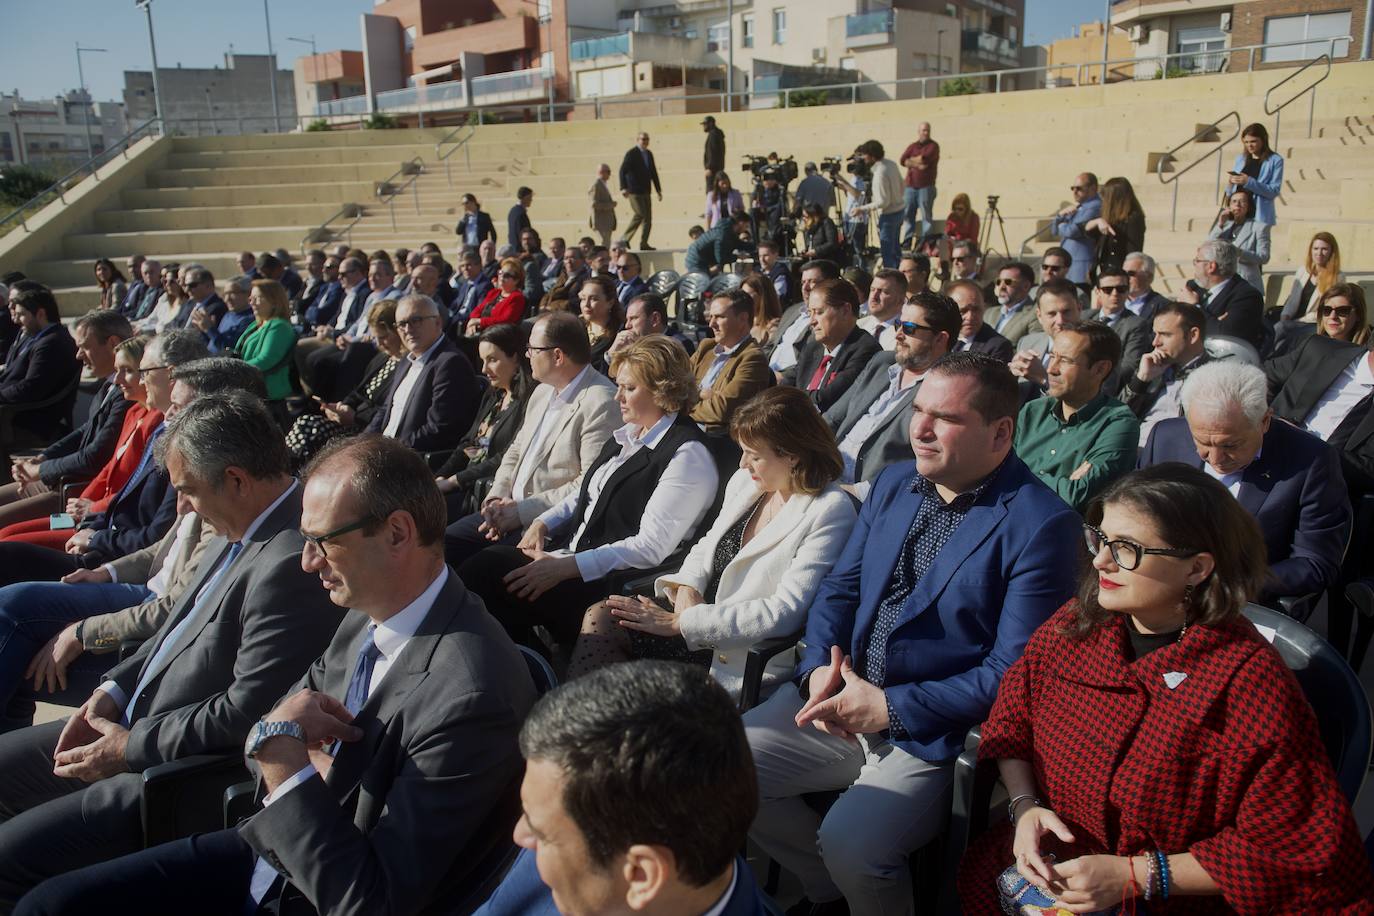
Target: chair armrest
[66,485]
[968,816]
[181,797]
[437,459]
[1299,607]
[240,801]
[759,655]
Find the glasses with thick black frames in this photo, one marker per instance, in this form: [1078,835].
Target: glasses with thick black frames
[1127,554]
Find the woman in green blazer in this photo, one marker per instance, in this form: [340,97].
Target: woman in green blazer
[270,343]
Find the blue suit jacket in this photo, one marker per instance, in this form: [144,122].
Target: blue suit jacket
[1294,489]
[324,306]
[139,515]
[1069,230]
[629,290]
[1010,564]
[522,893]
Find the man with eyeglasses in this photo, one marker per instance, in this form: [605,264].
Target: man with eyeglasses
[1056,305]
[1113,286]
[204,302]
[1142,299]
[631,282]
[965,261]
[638,174]
[1078,438]
[1068,226]
[321,305]
[1233,307]
[1013,316]
[434,392]
[871,421]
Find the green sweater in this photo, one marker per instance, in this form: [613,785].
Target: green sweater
[270,347]
[1104,433]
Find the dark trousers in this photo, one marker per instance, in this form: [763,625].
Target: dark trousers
[643,208]
[462,540]
[31,563]
[50,825]
[559,609]
[208,873]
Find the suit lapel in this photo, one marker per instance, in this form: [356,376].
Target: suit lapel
[1320,372]
[972,531]
[218,548]
[793,511]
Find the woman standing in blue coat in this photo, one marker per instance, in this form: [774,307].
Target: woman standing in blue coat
[1259,170]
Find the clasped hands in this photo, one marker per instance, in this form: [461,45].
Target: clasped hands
[93,742]
[1080,885]
[499,517]
[544,570]
[841,703]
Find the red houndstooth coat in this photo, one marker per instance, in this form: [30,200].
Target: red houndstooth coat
[1228,765]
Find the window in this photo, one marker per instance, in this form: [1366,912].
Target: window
[718,37]
[1314,26]
[1012,33]
[779,26]
[410,38]
[951,11]
[747,27]
[1203,47]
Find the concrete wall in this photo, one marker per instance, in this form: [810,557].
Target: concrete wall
[383,54]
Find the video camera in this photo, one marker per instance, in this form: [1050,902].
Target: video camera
[784,171]
[854,165]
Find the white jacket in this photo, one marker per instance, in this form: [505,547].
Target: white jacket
[767,589]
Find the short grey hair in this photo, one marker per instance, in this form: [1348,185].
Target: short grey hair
[1221,385]
[1223,253]
[179,346]
[415,299]
[197,274]
[1147,263]
[221,373]
[224,430]
[241,283]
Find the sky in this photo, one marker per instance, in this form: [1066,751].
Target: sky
[38,39]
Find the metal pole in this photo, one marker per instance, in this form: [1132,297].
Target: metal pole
[271,69]
[1368,29]
[147,7]
[549,78]
[939,54]
[89,102]
[729,55]
[1106,35]
[314,65]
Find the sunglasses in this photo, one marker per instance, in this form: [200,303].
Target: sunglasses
[507,275]
[909,328]
[1114,290]
[1056,268]
[1340,311]
[1006,281]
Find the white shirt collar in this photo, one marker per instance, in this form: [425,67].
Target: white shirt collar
[391,635]
[424,357]
[248,532]
[835,352]
[626,434]
[724,900]
[570,390]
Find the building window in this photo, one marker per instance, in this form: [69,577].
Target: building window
[1203,48]
[747,27]
[718,37]
[1314,28]
[779,26]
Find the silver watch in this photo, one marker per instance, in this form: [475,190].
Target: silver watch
[260,732]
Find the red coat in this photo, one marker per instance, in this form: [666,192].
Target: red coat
[1229,766]
[496,308]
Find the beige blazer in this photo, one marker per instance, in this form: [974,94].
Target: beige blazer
[602,217]
[566,452]
[766,590]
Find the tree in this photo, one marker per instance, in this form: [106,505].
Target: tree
[21,183]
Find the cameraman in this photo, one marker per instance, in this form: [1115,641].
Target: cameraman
[888,202]
[770,200]
[814,189]
[855,219]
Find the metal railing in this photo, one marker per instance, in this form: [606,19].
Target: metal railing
[388,190]
[91,168]
[456,139]
[1311,90]
[322,233]
[1205,134]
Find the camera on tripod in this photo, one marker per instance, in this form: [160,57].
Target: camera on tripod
[992,201]
[783,171]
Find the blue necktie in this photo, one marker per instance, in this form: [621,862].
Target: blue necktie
[359,685]
[142,464]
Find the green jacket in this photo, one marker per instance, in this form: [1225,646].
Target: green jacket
[1103,433]
[270,346]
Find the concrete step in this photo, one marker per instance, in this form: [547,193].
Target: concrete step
[156,220]
[77,272]
[336,193]
[192,241]
[289,175]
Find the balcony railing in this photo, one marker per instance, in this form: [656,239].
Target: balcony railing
[878,22]
[521,83]
[353,105]
[588,48]
[440,95]
[990,46]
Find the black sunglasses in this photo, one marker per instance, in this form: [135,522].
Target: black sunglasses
[910,327]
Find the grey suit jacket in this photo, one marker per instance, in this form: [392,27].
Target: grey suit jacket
[1137,338]
[1022,323]
[890,442]
[257,629]
[1038,342]
[430,791]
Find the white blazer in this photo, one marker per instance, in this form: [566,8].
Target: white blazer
[767,589]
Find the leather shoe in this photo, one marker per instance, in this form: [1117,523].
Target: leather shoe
[647,248]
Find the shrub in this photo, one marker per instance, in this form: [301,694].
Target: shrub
[379,121]
[19,183]
[959,86]
[804,98]
[320,124]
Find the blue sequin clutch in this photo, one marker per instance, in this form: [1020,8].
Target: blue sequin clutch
[1018,897]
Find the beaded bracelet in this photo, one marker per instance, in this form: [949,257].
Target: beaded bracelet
[1163,873]
[1149,877]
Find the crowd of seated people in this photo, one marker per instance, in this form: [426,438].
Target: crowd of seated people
[323,515]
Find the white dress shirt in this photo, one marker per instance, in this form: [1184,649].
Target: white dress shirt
[560,402]
[1168,404]
[405,388]
[878,411]
[883,331]
[341,320]
[1231,481]
[359,329]
[1349,388]
[785,353]
[720,358]
[678,504]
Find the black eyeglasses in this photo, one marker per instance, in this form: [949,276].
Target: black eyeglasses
[533,349]
[320,540]
[152,368]
[1109,290]
[507,275]
[414,322]
[1127,554]
[910,327]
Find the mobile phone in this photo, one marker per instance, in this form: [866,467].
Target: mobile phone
[60,520]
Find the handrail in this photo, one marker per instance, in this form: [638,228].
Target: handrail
[459,143]
[322,232]
[1312,104]
[1168,158]
[1025,244]
[387,191]
[91,165]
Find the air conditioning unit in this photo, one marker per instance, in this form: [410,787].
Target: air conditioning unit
[1226,22]
[818,55]
[1139,32]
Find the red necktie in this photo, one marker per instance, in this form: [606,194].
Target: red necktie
[819,377]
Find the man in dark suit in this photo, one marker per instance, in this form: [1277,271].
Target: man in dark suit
[794,329]
[1288,479]
[80,454]
[1135,333]
[518,219]
[729,366]
[246,629]
[1154,388]
[475,226]
[319,305]
[838,349]
[975,334]
[638,175]
[630,274]
[200,286]
[955,560]
[872,420]
[1326,386]
[1142,300]
[41,363]
[133,294]
[1233,307]
[676,850]
[470,286]
[422,691]
[152,291]
[434,392]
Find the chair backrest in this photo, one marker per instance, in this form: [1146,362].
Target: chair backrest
[690,289]
[664,282]
[1333,689]
[540,670]
[723,282]
[1221,346]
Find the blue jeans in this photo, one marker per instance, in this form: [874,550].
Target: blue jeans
[924,198]
[889,229]
[31,613]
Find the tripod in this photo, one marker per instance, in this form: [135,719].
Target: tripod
[986,235]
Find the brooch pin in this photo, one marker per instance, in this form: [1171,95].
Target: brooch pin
[1174,678]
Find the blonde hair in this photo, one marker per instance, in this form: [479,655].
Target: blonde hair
[1355,295]
[514,266]
[275,298]
[1325,278]
[660,364]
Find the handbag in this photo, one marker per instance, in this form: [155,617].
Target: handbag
[1018,897]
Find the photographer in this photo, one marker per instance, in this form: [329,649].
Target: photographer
[856,195]
[888,201]
[714,249]
[770,201]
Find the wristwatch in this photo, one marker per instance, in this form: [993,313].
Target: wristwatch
[263,730]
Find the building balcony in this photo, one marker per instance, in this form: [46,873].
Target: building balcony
[496,36]
[635,47]
[986,48]
[506,88]
[438,97]
[869,30]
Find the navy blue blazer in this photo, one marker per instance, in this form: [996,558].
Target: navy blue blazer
[442,403]
[522,893]
[1294,489]
[462,304]
[323,305]
[39,370]
[139,515]
[1011,563]
[86,449]
[627,290]
[485,229]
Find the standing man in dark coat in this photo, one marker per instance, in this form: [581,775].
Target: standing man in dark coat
[714,159]
[637,174]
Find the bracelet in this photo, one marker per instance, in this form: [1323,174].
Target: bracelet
[1163,873]
[1149,877]
[1011,805]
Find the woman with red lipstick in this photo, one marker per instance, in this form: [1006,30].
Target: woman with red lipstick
[1343,314]
[1152,743]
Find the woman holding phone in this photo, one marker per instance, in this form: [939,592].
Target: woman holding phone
[1258,170]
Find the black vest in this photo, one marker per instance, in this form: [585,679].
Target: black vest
[620,508]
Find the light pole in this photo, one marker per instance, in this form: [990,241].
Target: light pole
[1106,37]
[546,13]
[86,116]
[147,7]
[729,55]
[939,52]
[313,64]
[271,68]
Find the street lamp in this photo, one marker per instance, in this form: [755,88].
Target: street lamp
[271,68]
[313,64]
[81,77]
[147,7]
